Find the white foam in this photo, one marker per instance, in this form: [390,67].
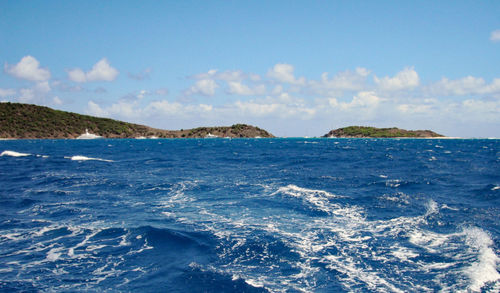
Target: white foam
[83,158]
[403,253]
[94,247]
[393,183]
[432,208]
[254,283]
[13,154]
[447,207]
[53,254]
[432,242]
[318,198]
[438,266]
[484,270]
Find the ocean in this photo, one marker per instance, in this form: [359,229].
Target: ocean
[250,215]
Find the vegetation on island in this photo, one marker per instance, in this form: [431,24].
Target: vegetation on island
[32,121]
[365,131]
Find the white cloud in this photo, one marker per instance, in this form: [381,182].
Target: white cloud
[362,71]
[205,75]
[414,108]
[164,108]
[27,95]
[405,79]
[205,87]
[7,92]
[363,100]
[28,68]
[464,86]
[77,75]
[255,77]
[232,75]
[129,110]
[342,81]
[43,87]
[493,87]
[278,89]
[235,82]
[227,76]
[101,71]
[284,73]
[284,106]
[487,108]
[495,36]
[57,101]
[141,94]
[95,110]
[238,88]
[161,109]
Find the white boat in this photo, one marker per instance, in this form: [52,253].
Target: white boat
[209,135]
[88,135]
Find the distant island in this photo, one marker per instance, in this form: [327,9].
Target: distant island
[26,121]
[373,132]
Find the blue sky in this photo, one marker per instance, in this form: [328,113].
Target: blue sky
[295,68]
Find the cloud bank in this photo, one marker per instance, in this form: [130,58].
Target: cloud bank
[281,100]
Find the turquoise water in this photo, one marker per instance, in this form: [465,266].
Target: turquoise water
[250,215]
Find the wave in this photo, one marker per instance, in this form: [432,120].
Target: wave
[362,254]
[108,258]
[318,198]
[83,158]
[14,154]
[484,270]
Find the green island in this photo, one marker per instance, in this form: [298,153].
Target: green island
[26,121]
[373,132]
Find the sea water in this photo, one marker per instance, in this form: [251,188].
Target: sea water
[250,215]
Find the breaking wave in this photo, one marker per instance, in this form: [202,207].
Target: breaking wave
[13,154]
[83,158]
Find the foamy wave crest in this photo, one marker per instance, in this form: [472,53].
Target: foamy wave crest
[14,154]
[484,270]
[318,198]
[83,158]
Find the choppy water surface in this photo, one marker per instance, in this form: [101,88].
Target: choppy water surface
[250,215]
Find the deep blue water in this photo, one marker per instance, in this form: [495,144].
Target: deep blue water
[250,215]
